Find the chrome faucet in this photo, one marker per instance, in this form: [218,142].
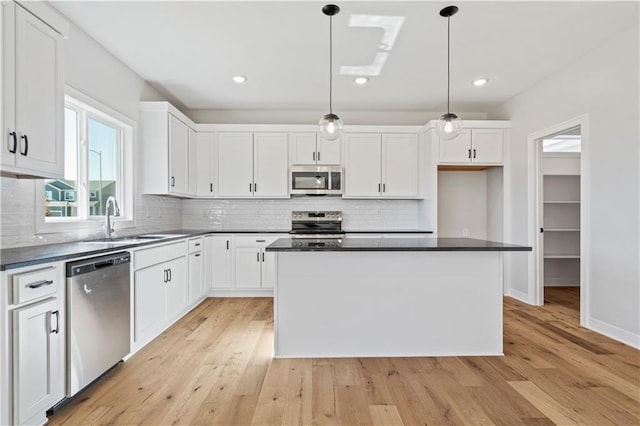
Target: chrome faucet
[109,227]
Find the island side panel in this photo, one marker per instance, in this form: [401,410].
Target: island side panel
[378,304]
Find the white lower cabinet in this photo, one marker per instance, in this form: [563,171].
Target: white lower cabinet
[38,360]
[32,372]
[218,253]
[255,268]
[161,288]
[196,270]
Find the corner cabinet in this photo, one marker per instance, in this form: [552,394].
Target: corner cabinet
[253,165]
[33,95]
[165,135]
[381,165]
[473,146]
[309,148]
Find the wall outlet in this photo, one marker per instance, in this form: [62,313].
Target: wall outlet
[465,232]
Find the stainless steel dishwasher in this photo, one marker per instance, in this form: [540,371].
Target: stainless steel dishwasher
[98,309]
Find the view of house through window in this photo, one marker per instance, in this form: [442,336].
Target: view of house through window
[93,166]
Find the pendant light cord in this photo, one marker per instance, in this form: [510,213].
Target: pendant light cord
[448,61]
[330,64]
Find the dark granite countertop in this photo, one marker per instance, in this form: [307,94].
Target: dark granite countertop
[391,244]
[17,257]
[412,231]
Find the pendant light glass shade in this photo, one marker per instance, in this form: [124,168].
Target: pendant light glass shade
[330,124]
[449,125]
[331,127]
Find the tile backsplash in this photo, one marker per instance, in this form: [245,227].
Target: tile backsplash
[358,215]
[158,213]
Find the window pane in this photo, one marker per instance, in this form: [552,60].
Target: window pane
[61,195]
[104,162]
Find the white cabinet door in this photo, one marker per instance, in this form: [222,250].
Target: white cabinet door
[196,277]
[235,165]
[150,301]
[486,146]
[177,289]
[202,155]
[36,360]
[39,97]
[178,156]
[248,265]
[271,161]
[456,150]
[362,165]
[328,152]
[303,148]
[218,252]
[268,269]
[400,165]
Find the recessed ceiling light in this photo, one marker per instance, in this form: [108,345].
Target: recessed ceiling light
[239,79]
[360,81]
[480,82]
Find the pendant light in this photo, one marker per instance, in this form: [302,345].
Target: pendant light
[449,125]
[330,124]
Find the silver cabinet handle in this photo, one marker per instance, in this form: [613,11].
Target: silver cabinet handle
[318,155]
[314,156]
[258,256]
[169,270]
[39,284]
[57,315]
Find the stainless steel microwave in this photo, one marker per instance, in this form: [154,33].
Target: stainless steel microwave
[316,180]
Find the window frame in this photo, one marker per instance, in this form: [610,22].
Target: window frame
[89,108]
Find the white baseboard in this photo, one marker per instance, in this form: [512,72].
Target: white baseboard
[240,293]
[519,295]
[616,333]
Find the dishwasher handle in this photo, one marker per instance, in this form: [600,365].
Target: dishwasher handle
[103,264]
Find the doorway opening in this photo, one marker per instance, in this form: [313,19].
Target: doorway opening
[558,179]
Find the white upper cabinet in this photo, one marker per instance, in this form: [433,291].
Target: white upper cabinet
[33,98]
[381,166]
[253,165]
[400,165]
[201,165]
[480,146]
[235,164]
[363,162]
[178,156]
[165,158]
[270,165]
[311,148]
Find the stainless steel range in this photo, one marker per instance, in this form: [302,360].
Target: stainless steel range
[316,225]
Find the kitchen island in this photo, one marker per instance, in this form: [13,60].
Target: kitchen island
[380,297]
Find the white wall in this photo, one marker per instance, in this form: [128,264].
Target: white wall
[399,118]
[462,204]
[92,70]
[603,84]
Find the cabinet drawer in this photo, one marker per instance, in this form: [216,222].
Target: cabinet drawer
[34,284]
[152,256]
[257,240]
[196,244]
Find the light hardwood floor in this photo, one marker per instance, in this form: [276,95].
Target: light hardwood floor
[215,366]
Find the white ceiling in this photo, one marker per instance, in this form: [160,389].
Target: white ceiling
[190,50]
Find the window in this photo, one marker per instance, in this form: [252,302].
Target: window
[98,164]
